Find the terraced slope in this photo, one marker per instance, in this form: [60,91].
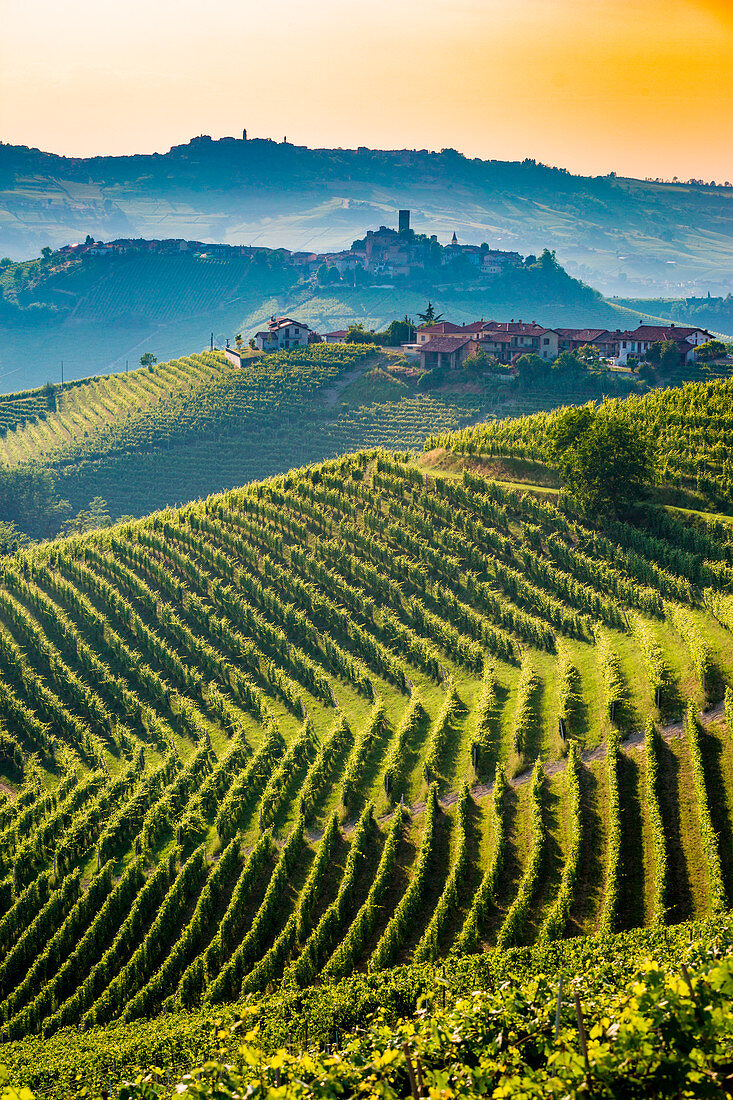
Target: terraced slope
[692,426]
[346,718]
[196,425]
[71,421]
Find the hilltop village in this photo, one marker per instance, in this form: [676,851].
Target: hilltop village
[383,253]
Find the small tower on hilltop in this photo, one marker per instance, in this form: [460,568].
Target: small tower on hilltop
[404,221]
[244,135]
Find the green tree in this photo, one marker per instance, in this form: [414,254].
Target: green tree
[147,359]
[46,253]
[566,361]
[531,365]
[481,362]
[430,317]
[322,275]
[713,349]
[11,539]
[604,459]
[588,355]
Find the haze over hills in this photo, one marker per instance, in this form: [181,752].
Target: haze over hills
[622,235]
[97,312]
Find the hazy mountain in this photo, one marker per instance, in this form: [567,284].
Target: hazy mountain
[625,236]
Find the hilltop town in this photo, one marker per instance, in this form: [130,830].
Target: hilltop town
[383,253]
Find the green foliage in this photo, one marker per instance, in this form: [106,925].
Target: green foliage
[602,459]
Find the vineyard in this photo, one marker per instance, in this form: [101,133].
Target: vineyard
[192,426]
[692,427]
[352,717]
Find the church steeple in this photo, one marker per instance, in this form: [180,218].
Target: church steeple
[455,238]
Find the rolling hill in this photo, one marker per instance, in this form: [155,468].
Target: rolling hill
[625,236]
[174,431]
[381,710]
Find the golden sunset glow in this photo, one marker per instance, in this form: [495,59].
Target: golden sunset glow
[641,87]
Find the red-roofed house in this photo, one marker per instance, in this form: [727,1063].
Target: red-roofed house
[283,333]
[336,337]
[526,338]
[570,339]
[446,351]
[637,342]
[443,328]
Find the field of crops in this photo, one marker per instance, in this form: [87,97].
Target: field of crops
[76,414]
[475,1025]
[193,426]
[354,716]
[692,427]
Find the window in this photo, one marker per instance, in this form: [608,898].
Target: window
[545,339]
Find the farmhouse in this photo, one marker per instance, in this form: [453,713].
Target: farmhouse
[283,333]
[637,342]
[446,351]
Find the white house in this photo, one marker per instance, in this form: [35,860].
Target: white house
[637,342]
[283,333]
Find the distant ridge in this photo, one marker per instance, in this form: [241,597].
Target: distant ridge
[623,235]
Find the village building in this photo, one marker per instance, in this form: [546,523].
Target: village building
[338,336]
[636,343]
[283,333]
[570,339]
[446,352]
[525,338]
[442,328]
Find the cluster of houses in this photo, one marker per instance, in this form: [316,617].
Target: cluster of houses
[447,345]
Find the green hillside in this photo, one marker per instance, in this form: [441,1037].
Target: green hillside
[359,715]
[691,427]
[623,235]
[183,429]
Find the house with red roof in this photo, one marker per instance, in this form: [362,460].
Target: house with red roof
[636,343]
[283,333]
[446,352]
[442,328]
[338,336]
[526,338]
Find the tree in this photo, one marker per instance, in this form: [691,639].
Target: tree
[713,349]
[430,317]
[96,514]
[481,362]
[147,359]
[11,538]
[357,334]
[322,275]
[239,342]
[89,239]
[664,354]
[46,253]
[566,361]
[588,355]
[605,461]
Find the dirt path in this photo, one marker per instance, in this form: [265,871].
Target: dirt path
[331,395]
[634,741]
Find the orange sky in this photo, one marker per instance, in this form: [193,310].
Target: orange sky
[641,87]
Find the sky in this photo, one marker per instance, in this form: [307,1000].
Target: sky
[639,87]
